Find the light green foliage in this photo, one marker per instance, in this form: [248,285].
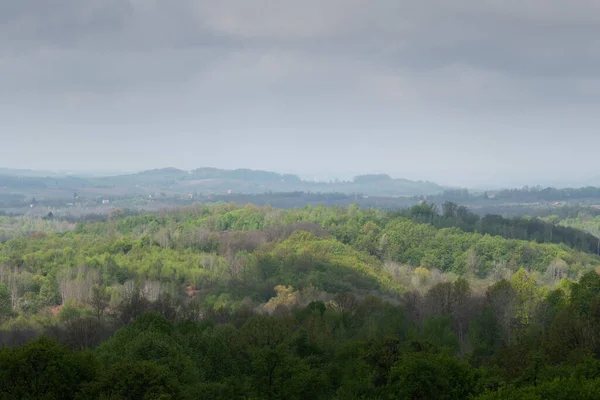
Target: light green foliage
[587,220]
[528,295]
[49,293]
[236,256]
[327,264]
[241,219]
[71,310]
[12,227]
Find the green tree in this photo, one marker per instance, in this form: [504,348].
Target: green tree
[527,296]
[423,375]
[42,369]
[134,380]
[438,331]
[584,292]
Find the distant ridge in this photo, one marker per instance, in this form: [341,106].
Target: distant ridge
[161,171]
[243,174]
[372,178]
[211,180]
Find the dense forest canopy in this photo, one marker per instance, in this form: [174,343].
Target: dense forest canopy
[238,255]
[541,230]
[229,301]
[583,218]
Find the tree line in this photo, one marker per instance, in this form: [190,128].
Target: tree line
[523,228]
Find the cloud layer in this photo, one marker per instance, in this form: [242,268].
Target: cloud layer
[350,75]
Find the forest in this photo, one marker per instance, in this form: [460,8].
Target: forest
[578,228]
[244,302]
[583,218]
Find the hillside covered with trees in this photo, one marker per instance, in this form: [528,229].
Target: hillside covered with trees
[247,302]
[585,219]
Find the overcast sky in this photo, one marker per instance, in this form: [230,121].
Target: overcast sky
[459,92]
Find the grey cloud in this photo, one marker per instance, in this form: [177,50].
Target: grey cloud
[61,23]
[530,37]
[394,69]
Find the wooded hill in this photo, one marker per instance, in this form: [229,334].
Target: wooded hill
[231,302]
[236,255]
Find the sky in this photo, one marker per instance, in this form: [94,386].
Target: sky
[468,92]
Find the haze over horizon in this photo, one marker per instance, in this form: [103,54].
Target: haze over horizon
[468,93]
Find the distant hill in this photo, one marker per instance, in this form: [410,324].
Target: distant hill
[372,178]
[163,172]
[205,180]
[244,175]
